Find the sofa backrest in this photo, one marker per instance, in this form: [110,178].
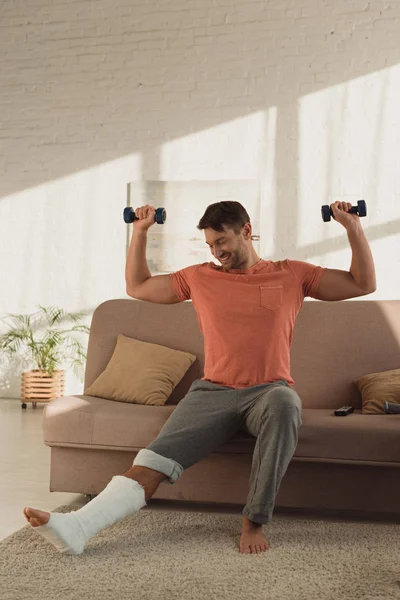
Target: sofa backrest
[333,344]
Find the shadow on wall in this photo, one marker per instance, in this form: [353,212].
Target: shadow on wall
[126,78]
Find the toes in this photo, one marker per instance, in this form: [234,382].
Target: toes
[255,549]
[259,548]
[32,520]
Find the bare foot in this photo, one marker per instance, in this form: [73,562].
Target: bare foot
[252,540]
[36,517]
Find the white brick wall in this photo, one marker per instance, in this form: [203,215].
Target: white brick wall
[299,96]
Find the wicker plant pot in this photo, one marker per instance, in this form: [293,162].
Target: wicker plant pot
[38,386]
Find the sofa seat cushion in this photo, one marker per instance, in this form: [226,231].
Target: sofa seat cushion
[91,422]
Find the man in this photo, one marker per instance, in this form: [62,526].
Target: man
[247,309]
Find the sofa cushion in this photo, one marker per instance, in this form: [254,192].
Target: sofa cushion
[96,423]
[375,388]
[141,373]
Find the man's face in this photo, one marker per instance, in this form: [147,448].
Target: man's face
[225,243]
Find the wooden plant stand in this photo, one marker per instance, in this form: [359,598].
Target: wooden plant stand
[38,386]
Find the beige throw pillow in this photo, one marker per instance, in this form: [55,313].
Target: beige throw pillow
[141,373]
[375,388]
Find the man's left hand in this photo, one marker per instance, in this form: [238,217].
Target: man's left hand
[341,214]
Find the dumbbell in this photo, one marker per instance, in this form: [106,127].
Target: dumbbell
[360,210]
[160,216]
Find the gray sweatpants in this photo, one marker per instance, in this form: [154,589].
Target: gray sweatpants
[210,414]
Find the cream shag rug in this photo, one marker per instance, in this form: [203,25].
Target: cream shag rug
[191,555]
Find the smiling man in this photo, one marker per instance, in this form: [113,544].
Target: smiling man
[246,309]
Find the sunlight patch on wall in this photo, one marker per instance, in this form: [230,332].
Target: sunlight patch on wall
[63,242]
[230,150]
[349,149]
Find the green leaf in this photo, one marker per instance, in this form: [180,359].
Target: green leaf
[48,350]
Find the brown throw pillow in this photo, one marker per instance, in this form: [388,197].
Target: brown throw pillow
[141,373]
[375,388]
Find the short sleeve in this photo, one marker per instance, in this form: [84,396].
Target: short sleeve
[308,275]
[182,282]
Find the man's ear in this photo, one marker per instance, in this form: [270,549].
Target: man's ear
[247,231]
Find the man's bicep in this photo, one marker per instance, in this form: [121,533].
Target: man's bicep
[336,284]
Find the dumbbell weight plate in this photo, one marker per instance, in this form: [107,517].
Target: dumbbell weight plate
[326,213]
[161,216]
[128,215]
[362,208]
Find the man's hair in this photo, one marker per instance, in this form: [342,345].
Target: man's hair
[229,213]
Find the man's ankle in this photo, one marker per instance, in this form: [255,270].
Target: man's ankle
[149,479]
[250,524]
[144,473]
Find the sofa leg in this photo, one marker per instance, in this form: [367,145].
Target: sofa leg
[90,497]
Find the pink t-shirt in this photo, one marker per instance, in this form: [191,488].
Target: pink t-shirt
[247,317]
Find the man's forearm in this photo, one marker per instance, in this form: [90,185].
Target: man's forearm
[362,264]
[136,269]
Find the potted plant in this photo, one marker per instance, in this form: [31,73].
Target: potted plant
[45,381]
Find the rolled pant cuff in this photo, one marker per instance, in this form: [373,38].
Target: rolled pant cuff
[152,460]
[256,516]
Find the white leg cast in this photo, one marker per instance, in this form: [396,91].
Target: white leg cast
[71,532]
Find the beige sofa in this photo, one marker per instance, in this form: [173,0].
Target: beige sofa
[347,463]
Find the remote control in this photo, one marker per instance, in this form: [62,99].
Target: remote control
[343,411]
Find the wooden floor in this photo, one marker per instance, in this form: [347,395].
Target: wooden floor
[24,466]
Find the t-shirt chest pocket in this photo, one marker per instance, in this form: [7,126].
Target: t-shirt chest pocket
[271,296]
